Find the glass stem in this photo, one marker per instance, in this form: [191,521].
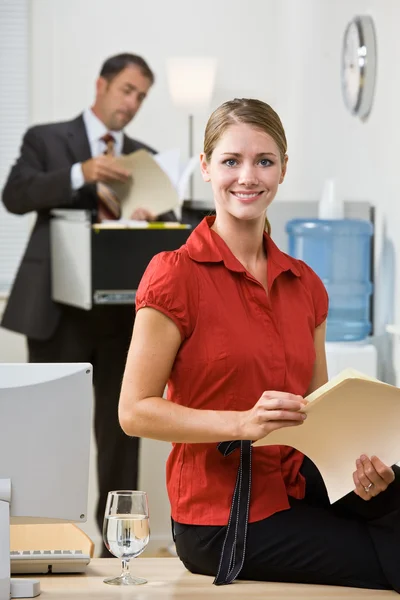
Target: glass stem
[125,567]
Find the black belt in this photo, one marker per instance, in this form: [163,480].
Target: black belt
[234,547]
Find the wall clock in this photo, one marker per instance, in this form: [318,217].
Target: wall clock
[358,68]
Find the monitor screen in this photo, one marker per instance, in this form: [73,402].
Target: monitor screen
[45,429]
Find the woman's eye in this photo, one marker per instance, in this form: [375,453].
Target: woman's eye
[231,162]
[265,162]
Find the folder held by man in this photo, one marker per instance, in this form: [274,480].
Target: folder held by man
[157,182]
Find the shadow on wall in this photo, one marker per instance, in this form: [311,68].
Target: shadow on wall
[384,309]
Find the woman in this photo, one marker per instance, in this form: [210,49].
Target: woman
[237,330]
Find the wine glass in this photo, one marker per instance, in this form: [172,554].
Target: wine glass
[126,531]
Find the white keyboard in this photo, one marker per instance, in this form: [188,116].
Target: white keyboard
[48,561]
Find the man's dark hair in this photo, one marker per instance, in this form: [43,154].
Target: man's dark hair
[115,64]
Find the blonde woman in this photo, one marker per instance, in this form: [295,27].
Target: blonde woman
[237,330]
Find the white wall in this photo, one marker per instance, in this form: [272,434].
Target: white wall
[71,40]
[12,345]
[286,53]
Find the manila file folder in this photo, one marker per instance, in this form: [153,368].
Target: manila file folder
[149,187]
[350,415]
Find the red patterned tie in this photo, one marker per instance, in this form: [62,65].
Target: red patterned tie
[108,206]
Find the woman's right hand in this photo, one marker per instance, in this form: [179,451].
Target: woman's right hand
[272,411]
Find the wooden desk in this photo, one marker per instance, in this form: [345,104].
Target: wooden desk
[168,579]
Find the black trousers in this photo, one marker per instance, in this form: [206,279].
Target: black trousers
[100,336]
[350,543]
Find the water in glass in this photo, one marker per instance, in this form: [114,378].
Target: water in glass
[126,531]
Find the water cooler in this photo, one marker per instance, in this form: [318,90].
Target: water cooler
[338,249]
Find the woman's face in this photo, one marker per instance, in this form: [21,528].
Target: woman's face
[245,170]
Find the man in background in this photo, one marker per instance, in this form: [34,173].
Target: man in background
[67,165]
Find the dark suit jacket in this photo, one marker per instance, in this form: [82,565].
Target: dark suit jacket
[40,181]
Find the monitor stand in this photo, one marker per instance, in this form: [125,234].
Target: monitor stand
[19,588]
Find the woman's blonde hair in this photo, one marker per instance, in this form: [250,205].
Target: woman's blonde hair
[253,112]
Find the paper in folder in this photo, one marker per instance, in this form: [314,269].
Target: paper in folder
[159,182]
[149,187]
[350,415]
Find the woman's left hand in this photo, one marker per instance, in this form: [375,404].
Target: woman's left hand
[371,477]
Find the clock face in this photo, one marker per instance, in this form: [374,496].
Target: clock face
[359,66]
[351,72]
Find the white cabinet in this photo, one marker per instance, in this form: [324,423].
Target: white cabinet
[361,356]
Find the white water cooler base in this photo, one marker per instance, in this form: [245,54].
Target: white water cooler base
[361,356]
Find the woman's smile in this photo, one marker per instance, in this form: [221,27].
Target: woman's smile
[247,197]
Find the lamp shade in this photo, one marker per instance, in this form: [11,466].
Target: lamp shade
[191,81]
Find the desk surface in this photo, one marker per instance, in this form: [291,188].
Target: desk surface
[168,579]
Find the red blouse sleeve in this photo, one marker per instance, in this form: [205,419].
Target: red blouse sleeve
[318,293]
[169,285]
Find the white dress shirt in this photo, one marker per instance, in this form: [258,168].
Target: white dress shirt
[95,129]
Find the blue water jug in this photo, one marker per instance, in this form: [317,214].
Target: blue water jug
[339,251]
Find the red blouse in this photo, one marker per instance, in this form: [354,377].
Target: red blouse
[237,342]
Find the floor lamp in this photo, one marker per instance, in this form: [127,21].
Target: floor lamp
[191,83]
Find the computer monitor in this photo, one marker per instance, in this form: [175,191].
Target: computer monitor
[45,429]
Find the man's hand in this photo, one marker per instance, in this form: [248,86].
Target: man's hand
[142,214]
[104,168]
